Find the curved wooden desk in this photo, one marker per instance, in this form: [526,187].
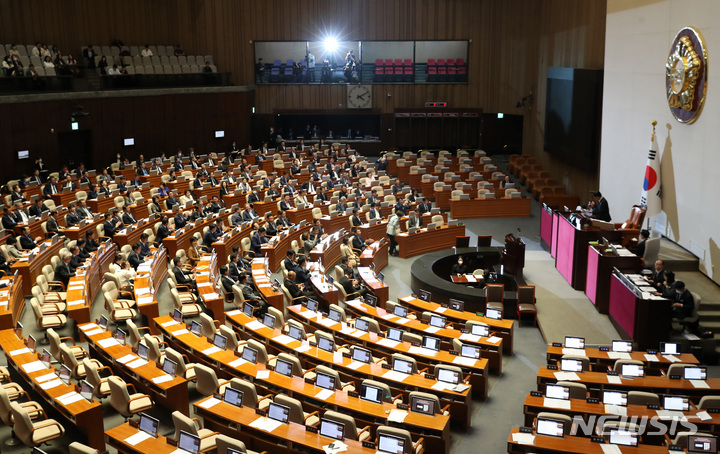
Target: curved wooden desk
[276,249]
[12,301]
[375,254]
[30,266]
[427,241]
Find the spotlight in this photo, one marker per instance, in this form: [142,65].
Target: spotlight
[330,44]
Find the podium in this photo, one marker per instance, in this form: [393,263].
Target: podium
[513,255]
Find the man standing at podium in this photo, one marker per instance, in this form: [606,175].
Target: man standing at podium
[600,208]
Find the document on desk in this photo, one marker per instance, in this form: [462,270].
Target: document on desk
[33,367]
[610,449]
[671,358]
[431,329]
[254,325]
[470,278]
[94,332]
[402,321]
[556,403]
[126,359]
[303,348]
[700,384]
[237,363]
[494,339]
[170,323]
[204,284]
[618,355]
[441,386]
[265,423]
[464,361]
[180,332]
[615,410]
[573,351]
[46,377]
[211,296]
[669,415]
[139,437]
[211,402]
[109,342]
[397,416]
[262,374]
[388,316]
[355,365]
[211,350]
[137,363]
[324,394]
[421,351]
[20,351]
[566,376]
[145,300]
[395,375]
[469,337]
[651,358]
[385,342]
[440,309]
[327,322]
[704,416]
[233,313]
[76,303]
[70,398]
[162,379]
[308,314]
[614,380]
[51,384]
[284,339]
[523,439]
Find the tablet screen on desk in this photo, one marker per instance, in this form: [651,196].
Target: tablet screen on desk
[669,348]
[295,332]
[456,305]
[249,354]
[371,393]
[422,405]
[195,328]
[325,381]
[362,355]
[326,344]
[269,320]
[220,341]
[469,351]
[615,398]
[177,315]
[431,343]
[335,315]
[571,365]
[437,321]
[574,342]
[395,334]
[676,403]
[695,373]
[493,314]
[120,336]
[279,412]
[390,444]
[103,322]
[189,443]
[401,365]
[142,351]
[424,295]
[400,311]
[557,392]
[702,444]
[448,376]
[370,300]
[86,390]
[362,325]
[169,367]
[248,309]
[550,427]
[620,346]
[45,358]
[480,330]
[331,429]
[148,424]
[632,370]
[312,305]
[623,437]
[283,367]
[233,396]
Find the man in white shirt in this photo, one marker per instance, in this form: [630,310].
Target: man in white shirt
[146,52]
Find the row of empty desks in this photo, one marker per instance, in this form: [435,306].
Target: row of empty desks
[608,358]
[544,444]
[423,240]
[33,374]
[226,364]
[489,208]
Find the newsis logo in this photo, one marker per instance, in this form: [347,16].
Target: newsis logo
[654,426]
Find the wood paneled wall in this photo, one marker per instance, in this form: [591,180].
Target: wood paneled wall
[512,43]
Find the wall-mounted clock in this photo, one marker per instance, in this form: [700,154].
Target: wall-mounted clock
[359,97]
[686,75]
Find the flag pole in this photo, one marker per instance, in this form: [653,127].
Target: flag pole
[652,137]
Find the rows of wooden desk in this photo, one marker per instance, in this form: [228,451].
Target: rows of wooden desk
[424,240]
[489,208]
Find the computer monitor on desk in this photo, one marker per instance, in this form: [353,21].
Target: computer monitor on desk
[676,403]
[619,398]
[422,405]
[557,391]
[574,342]
[331,429]
[390,444]
[632,370]
[149,425]
[188,442]
[620,346]
[456,305]
[550,427]
[702,444]
[695,373]
[623,437]
[371,393]
[669,348]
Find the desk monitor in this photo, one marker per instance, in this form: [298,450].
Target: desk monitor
[312,305]
[371,393]
[269,321]
[550,427]
[390,444]
[330,279]
[395,334]
[401,365]
[86,390]
[177,315]
[283,367]
[448,376]
[370,300]
[456,305]
[190,443]
[65,374]
[557,391]
[326,344]
[331,429]
[422,405]
[695,373]
[621,346]
[400,311]
[295,332]
[279,412]
[381,277]
[120,336]
[149,425]
[494,314]
[676,403]
[669,348]
[632,370]
[248,309]
[619,398]
[142,351]
[220,341]
[424,295]
[325,381]
[438,321]
[574,342]
[470,351]
[571,365]
[335,315]
[45,358]
[31,342]
[361,355]
[362,325]
[702,444]
[103,322]
[169,367]
[195,328]
[431,343]
[623,437]
[249,354]
[233,396]
[480,330]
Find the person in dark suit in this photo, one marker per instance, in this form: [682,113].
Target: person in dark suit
[600,207]
[51,225]
[180,219]
[683,302]
[83,211]
[111,225]
[375,213]
[234,267]
[26,240]
[181,277]
[37,208]
[321,195]
[286,203]
[640,249]
[172,200]
[296,290]
[63,273]
[164,230]
[424,206]
[91,245]
[358,242]
[72,219]
[249,214]
[134,258]
[460,267]
[226,281]
[237,217]
[301,274]
[257,241]
[89,55]
[50,188]
[8,220]
[351,285]
[75,261]
[144,245]
[289,260]
[355,219]
[83,253]
[657,277]
[253,197]
[211,236]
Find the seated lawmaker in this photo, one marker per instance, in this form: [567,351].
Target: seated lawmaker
[682,301]
[460,267]
[600,208]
